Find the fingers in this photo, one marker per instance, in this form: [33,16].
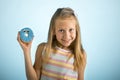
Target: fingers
[19,40]
[18,36]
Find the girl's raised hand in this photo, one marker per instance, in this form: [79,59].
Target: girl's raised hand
[25,46]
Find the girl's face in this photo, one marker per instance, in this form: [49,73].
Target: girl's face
[65,31]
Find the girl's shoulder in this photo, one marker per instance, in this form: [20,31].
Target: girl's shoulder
[40,48]
[42,45]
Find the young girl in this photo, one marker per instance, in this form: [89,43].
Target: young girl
[62,57]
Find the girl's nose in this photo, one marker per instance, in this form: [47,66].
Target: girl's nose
[66,35]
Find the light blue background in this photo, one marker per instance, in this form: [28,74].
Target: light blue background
[100,30]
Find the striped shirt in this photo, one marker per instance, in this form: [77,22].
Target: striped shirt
[59,66]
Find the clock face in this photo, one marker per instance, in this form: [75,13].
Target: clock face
[26,35]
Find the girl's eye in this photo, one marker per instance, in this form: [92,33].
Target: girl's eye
[71,30]
[61,30]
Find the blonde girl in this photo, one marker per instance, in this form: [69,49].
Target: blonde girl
[62,57]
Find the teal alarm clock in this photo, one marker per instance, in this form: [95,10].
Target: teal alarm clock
[26,35]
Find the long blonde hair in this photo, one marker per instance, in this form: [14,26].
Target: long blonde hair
[76,45]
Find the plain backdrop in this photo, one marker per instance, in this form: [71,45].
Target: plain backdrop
[100,30]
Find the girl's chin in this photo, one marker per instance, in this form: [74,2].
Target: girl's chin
[65,45]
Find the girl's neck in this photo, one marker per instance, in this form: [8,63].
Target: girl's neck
[59,46]
[63,49]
